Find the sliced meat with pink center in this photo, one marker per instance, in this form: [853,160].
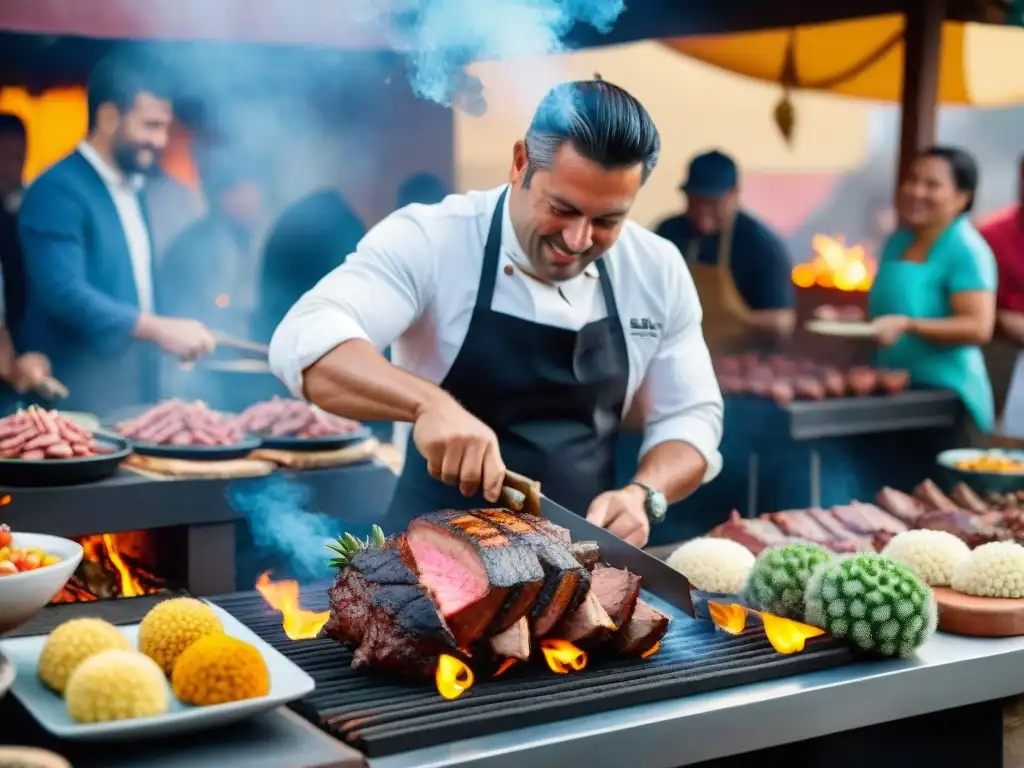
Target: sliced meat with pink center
[645,629]
[472,568]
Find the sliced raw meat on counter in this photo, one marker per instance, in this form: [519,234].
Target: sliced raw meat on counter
[932,496]
[286,417]
[589,623]
[565,580]
[645,629]
[753,533]
[972,529]
[514,642]
[852,541]
[867,519]
[378,605]
[35,433]
[966,498]
[809,388]
[861,380]
[617,590]
[472,568]
[175,422]
[800,524]
[900,505]
[893,382]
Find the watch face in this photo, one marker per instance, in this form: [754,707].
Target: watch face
[657,507]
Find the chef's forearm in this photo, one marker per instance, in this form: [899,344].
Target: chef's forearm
[673,467]
[956,330]
[357,381]
[1012,324]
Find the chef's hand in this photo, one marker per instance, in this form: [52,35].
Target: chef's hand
[622,512]
[30,371]
[181,337]
[459,448]
[889,328]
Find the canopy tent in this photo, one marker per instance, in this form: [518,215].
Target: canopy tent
[981,64]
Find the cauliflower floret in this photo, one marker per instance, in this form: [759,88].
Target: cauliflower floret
[719,566]
[992,570]
[932,555]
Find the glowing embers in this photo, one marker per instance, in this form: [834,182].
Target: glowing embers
[785,635]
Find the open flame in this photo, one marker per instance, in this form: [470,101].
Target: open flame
[112,566]
[562,656]
[283,596]
[785,635]
[836,265]
[453,676]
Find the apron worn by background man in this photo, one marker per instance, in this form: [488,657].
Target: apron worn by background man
[553,396]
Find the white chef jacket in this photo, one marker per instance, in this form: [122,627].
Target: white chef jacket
[412,284]
[124,191]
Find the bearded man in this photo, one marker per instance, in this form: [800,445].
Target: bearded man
[88,253]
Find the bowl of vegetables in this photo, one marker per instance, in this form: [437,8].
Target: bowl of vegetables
[34,567]
[986,471]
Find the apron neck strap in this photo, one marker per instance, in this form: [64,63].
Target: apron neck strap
[492,253]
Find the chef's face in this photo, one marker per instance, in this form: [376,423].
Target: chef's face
[928,195]
[139,135]
[12,162]
[709,214]
[571,213]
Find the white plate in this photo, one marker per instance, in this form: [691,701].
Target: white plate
[287,683]
[949,459]
[841,328]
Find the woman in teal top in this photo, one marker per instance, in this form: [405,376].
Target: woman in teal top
[933,299]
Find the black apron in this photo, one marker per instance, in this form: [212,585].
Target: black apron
[554,397]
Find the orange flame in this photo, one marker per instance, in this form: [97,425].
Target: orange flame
[505,666]
[94,547]
[562,656]
[836,265]
[651,651]
[453,677]
[283,596]
[5,500]
[785,635]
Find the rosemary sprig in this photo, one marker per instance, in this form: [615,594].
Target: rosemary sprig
[348,546]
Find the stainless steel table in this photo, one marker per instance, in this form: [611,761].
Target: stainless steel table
[948,672]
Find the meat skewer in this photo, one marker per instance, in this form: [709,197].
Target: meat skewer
[35,433]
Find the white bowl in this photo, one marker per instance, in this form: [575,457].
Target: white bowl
[23,595]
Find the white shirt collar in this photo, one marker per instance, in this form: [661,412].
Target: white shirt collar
[514,251]
[110,175]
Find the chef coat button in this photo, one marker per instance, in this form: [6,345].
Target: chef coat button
[508,270]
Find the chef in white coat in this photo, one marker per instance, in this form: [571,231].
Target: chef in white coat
[524,322]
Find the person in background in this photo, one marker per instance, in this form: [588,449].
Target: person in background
[21,373]
[422,188]
[933,301]
[310,239]
[1005,235]
[741,267]
[88,255]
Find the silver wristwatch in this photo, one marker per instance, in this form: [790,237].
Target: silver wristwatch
[655,504]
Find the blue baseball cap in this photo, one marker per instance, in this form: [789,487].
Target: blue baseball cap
[712,174]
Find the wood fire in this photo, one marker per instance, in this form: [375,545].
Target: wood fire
[785,635]
[836,265]
[283,597]
[112,566]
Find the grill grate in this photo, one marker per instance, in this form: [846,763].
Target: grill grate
[382,716]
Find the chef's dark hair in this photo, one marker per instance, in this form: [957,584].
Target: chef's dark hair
[119,79]
[12,125]
[604,123]
[963,169]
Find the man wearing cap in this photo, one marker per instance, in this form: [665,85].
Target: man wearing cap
[740,267]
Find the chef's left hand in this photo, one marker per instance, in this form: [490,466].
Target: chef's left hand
[622,512]
[889,328]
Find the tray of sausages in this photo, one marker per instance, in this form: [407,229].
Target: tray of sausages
[176,429]
[40,447]
[294,425]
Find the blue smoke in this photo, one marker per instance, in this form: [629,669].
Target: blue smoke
[277,512]
[440,37]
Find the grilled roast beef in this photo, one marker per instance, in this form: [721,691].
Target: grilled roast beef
[379,606]
[617,590]
[644,630]
[586,624]
[588,553]
[514,642]
[480,577]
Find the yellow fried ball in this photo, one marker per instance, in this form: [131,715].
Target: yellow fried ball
[218,669]
[73,642]
[172,626]
[116,685]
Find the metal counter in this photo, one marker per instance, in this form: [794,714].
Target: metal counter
[948,672]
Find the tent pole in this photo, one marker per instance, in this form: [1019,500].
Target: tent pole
[922,54]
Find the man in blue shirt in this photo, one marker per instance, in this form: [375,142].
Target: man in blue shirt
[741,267]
